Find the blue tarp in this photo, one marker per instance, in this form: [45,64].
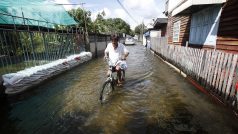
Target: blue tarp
[41,10]
[147,34]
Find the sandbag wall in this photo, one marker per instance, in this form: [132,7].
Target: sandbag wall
[24,79]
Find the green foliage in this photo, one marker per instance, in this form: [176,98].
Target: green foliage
[101,25]
[38,43]
[140,28]
[132,33]
[25,40]
[112,26]
[81,16]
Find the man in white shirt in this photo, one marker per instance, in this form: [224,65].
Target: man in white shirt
[116,51]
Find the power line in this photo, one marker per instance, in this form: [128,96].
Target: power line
[69,4]
[126,11]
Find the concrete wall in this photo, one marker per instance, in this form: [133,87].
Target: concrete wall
[98,48]
[98,43]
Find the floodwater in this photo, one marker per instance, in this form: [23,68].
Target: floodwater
[154,99]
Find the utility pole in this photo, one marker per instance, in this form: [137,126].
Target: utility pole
[87,45]
[142,30]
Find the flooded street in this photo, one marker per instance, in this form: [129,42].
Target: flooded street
[154,99]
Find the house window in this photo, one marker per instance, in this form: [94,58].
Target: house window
[176,30]
[204,26]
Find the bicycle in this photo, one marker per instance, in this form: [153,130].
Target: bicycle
[111,81]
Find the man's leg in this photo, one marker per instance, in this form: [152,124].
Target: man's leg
[109,72]
[118,69]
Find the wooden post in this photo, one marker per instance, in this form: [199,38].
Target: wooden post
[233,94]
[222,74]
[219,72]
[95,41]
[216,71]
[186,43]
[226,71]
[231,76]
[2,88]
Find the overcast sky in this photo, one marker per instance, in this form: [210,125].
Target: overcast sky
[140,10]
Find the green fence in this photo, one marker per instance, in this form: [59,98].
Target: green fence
[24,48]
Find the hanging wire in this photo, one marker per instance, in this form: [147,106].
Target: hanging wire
[22,59]
[8,53]
[55,44]
[32,45]
[67,42]
[72,41]
[46,38]
[3,55]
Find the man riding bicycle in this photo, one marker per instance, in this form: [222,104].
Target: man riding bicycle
[116,52]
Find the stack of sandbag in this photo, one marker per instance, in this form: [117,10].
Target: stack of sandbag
[22,80]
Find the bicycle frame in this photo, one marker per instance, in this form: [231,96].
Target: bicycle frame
[111,81]
[110,77]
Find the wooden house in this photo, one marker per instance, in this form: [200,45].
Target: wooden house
[161,25]
[207,24]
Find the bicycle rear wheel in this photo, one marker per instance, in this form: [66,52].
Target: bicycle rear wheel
[107,88]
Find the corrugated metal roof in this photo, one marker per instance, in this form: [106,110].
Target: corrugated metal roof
[161,20]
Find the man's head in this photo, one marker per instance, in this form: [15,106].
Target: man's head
[115,40]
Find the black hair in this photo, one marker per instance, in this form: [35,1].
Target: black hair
[114,37]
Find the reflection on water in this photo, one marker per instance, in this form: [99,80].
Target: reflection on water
[154,99]
[12,68]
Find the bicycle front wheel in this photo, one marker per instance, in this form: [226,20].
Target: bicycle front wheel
[123,75]
[107,88]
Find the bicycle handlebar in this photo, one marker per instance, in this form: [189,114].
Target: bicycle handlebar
[109,60]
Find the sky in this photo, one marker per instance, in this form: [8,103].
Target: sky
[140,10]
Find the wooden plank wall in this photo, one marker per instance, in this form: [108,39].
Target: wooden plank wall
[228,28]
[164,30]
[216,71]
[184,28]
[169,29]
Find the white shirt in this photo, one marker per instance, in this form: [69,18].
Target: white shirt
[116,54]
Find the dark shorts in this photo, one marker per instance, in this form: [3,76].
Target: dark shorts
[113,69]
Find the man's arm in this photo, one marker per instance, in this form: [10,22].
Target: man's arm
[125,56]
[106,52]
[126,53]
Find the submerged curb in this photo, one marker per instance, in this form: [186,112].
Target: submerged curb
[195,84]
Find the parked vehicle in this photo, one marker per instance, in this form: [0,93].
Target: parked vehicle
[122,40]
[129,41]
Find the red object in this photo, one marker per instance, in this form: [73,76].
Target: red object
[77,58]
[237,86]
[65,63]
[199,87]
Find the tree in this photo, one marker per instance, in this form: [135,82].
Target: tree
[117,25]
[139,28]
[79,14]
[100,25]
